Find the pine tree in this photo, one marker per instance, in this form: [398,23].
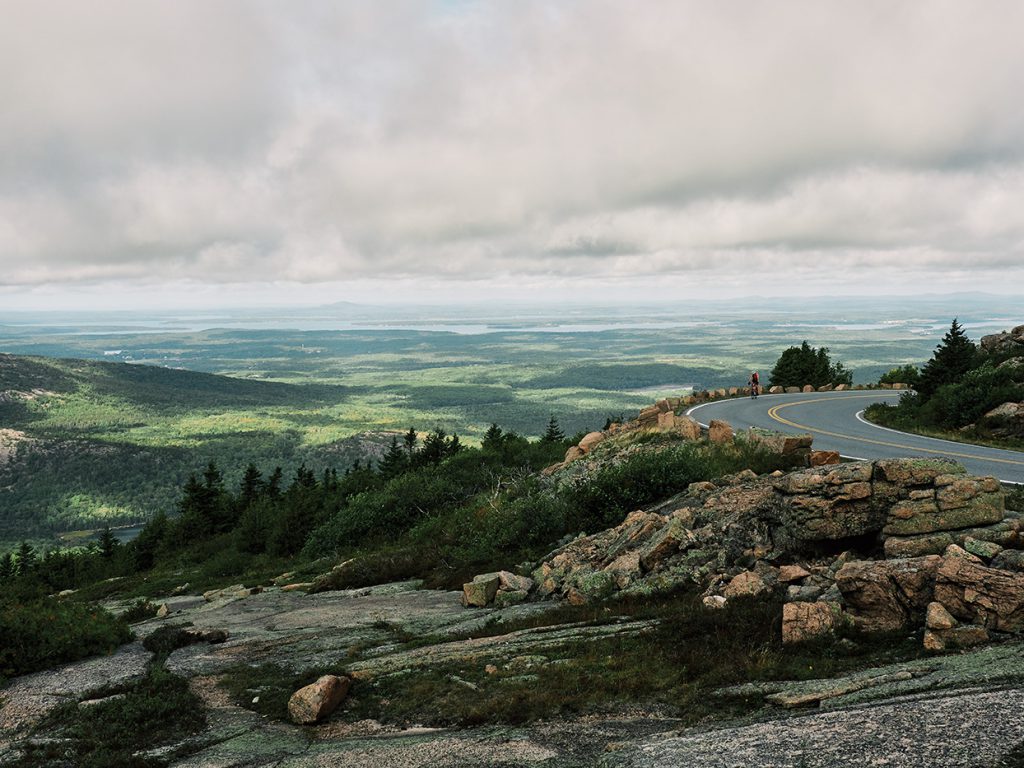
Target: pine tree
[394,461]
[26,560]
[954,356]
[108,543]
[6,567]
[493,438]
[252,487]
[274,484]
[410,442]
[554,433]
[435,447]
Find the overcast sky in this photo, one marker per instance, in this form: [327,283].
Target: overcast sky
[212,151]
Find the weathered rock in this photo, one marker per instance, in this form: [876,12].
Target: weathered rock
[316,701]
[823,458]
[1009,560]
[807,388]
[746,584]
[842,387]
[937,617]
[666,542]
[977,594]
[481,590]
[1008,342]
[572,454]
[505,598]
[688,428]
[807,593]
[714,602]
[720,432]
[808,621]
[590,440]
[958,637]
[916,546]
[888,595]
[955,550]
[916,471]
[163,611]
[793,390]
[776,390]
[983,549]
[963,503]
[512,582]
[825,388]
[790,573]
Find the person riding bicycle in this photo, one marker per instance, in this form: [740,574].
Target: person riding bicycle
[755,385]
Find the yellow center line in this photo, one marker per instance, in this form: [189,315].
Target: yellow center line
[773,412]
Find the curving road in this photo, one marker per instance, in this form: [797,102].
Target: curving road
[836,421]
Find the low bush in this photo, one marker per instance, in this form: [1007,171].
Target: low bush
[44,632]
[157,710]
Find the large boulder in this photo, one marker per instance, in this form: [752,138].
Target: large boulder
[590,440]
[809,621]
[829,503]
[957,502]
[720,431]
[990,597]
[480,592]
[316,701]
[887,595]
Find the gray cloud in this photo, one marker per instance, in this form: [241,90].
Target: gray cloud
[318,141]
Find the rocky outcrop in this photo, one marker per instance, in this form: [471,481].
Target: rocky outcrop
[316,701]
[1006,420]
[1006,343]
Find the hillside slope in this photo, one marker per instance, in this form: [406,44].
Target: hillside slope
[85,443]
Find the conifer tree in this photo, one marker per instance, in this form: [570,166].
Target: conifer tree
[954,356]
[394,461]
[554,433]
[492,439]
[410,441]
[26,560]
[251,488]
[108,543]
[6,566]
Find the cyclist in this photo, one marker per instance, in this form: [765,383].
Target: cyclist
[755,385]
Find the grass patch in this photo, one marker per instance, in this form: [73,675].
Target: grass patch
[672,669]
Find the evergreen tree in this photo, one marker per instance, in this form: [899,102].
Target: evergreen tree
[394,462]
[274,484]
[493,438]
[554,433]
[252,487]
[435,447]
[152,536]
[108,543]
[26,559]
[410,442]
[6,566]
[453,446]
[954,356]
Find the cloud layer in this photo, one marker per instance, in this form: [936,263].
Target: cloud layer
[321,142]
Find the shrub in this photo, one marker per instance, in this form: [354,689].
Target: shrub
[41,633]
[157,710]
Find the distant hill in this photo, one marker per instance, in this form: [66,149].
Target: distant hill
[88,443]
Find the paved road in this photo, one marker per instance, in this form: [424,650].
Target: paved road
[835,420]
